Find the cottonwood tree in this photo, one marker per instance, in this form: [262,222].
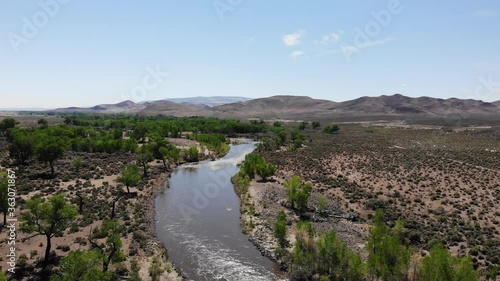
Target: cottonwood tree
[21,148]
[110,251]
[298,193]
[7,124]
[388,258]
[82,266]
[129,176]
[440,265]
[43,123]
[265,170]
[48,218]
[50,149]
[144,156]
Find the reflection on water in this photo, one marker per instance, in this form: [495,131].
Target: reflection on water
[198,221]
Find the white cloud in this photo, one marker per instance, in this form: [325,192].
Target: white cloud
[293,39]
[296,54]
[486,13]
[328,39]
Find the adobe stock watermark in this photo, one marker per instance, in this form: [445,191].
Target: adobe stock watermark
[151,81]
[367,37]
[223,7]
[32,26]
[486,88]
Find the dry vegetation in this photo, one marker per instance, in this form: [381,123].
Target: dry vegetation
[444,183]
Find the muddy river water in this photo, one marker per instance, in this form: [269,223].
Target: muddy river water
[198,220]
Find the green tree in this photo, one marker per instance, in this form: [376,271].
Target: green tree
[4,197]
[3,277]
[110,251]
[265,170]
[280,228]
[303,126]
[21,148]
[50,149]
[129,176]
[280,139]
[192,154]
[144,156]
[388,258]
[43,123]
[440,265]
[77,163]
[47,218]
[316,125]
[298,193]
[7,124]
[82,266]
[330,129]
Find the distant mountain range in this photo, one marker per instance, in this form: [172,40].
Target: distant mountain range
[209,101]
[299,107]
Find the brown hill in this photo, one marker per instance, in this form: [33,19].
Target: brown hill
[176,109]
[402,105]
[302,107]
[276,107]
[122,107]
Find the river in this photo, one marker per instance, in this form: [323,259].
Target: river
[198,220]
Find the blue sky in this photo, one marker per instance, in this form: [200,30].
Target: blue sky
[56,53]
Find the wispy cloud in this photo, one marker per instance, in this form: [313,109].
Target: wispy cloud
[328,39]
[486,13]
[293,39]
[346,48]
[296,54]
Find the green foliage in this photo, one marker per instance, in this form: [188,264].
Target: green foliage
[43,123]
[216,142]
[22,147]
[3,277]
[326,256]
[303,126]
[316,124]
[440,265]
[297,139]
[129,176]
[192,154]
[49,149]
[388,258]
[7,124]
[82,265]
[47,218]
[144,156]
[298,193]
[265,145]
[110,251]
[77,163]
[280,229]
[265,170]
[280,138]
[330,129]
[249,166]
[241,182]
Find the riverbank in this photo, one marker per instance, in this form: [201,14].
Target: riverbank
[262,201]
[155,248]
